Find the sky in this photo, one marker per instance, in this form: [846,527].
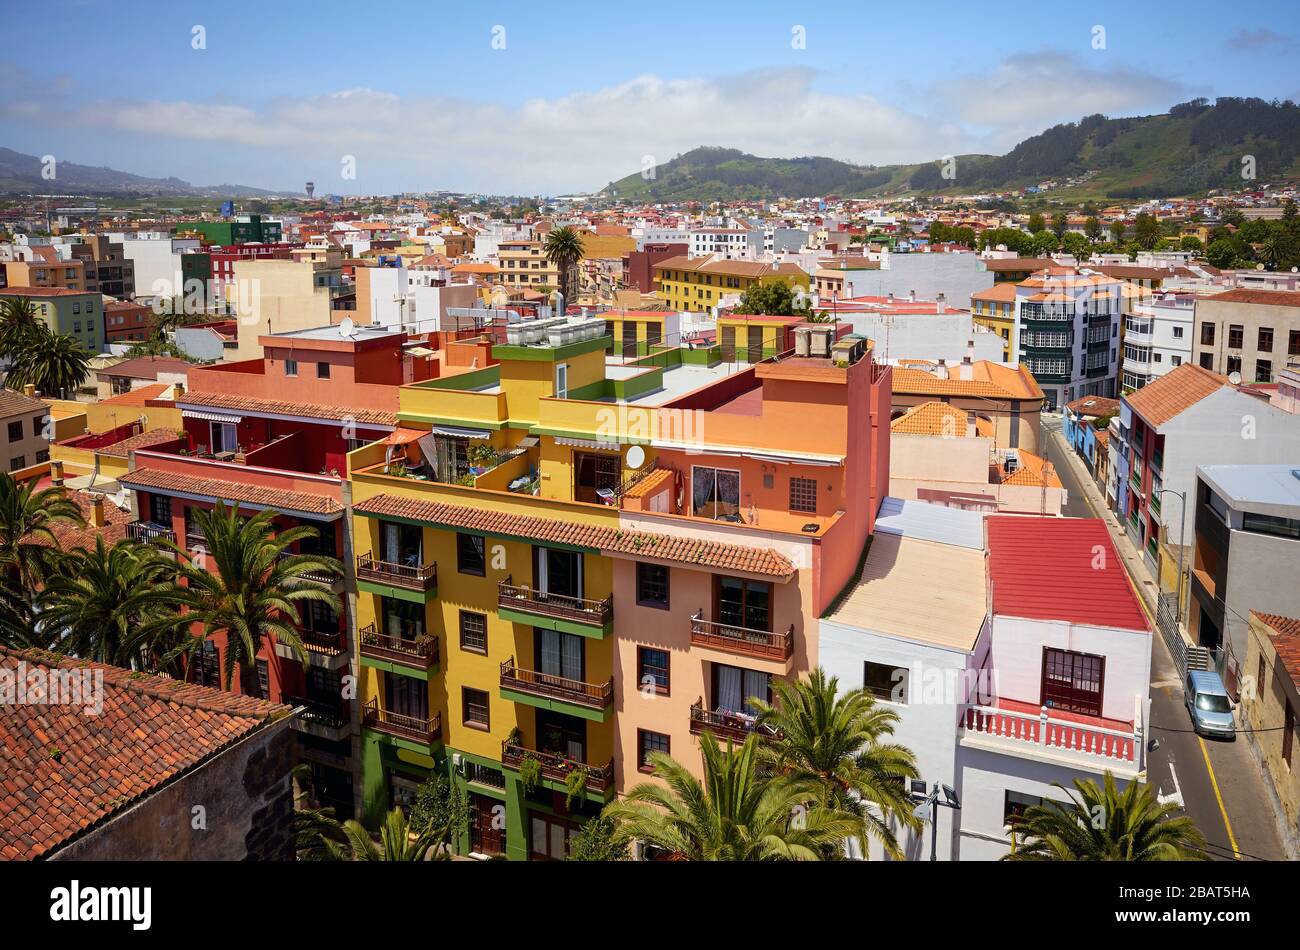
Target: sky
[550,99]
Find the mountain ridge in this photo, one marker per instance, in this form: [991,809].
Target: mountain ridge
[21,174]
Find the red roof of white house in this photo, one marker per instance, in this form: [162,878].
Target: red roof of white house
[1060,569]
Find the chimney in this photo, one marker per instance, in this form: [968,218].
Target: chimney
[911,296]
[97,511]
[178,390]
[56,473]
[890,298]
[941,371]
[942,300]
[970,351]
[967,370]
[29,390]
[970,424]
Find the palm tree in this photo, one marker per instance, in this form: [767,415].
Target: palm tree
[835,743]
[563,248]
[55,364]
[1100,823]
[17,320]
[737,814]
[28,546]
[109,603]
[247,584]
[397,842]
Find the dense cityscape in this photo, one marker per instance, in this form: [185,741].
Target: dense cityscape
[738,509]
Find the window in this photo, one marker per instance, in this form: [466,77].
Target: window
[652,670]
[1293,343]
[471,554]
[322,370]
[76,326]
[160,509]
[1265,340]
[715,493]
[1014,806]
[16,431]
[803,494]
[743,603]
[1288,732]
[1260,681]
[1176,360]
[473,632]
[1234,365]
[733,687]
[1178,333]
[652,585]
[1263,371]
[224,437]
[263,680]
[1207,334]
[401,618]
[1073,681]
[17,462]
[646,743]
[1236,336]
[406,696]
[886,682]
[561,380]
[207,666]
[291,367]
[1207,361]
[474,708]
[551,837]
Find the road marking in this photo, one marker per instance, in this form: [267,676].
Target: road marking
[1219,798]
[1176,797]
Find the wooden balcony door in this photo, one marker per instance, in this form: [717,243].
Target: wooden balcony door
[487,825]
[1073,681]
[558,572]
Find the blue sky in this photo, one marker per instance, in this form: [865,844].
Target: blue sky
[417,95]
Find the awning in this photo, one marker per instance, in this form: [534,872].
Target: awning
[588,444]
[459,432]
[211,416]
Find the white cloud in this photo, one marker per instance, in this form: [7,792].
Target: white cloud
[586,138]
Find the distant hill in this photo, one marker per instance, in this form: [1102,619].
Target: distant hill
[21,174]
[1195,147]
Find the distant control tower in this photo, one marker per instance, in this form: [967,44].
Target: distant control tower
[311,188]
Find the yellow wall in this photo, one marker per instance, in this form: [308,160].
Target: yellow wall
[693,291]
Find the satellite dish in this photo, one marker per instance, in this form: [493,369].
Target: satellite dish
[347,327]
[635,457]
[1234,378]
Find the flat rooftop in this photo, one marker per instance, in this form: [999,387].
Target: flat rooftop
[677,381]
[335,332]
[918,590]
[1256,487]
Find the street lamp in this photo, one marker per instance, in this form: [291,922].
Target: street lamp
[1182,536]
[925,811]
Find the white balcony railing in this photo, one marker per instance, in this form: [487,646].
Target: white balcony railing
[1046,732]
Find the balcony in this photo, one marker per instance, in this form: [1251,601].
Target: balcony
[148,532]
[742,640]
[383,651]
[327,577]
[589,700]
[727,725]
[578,615]
[393,579]
[325,720]
[1025,729]
[423,732]
[557,768]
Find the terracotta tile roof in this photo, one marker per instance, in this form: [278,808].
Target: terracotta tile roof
[1275,298]
[43,292]
[1094,406]
[1286,643]
[141,440]
[67,769]
[1179,389]
[649,484]
[938,418]
[1002,293]
[706,265]
[147,367]
[1044,568]
[281,499]
[283,408]
[14,403]
[987,379]
[69,537]
[137,397]
[1031,473]
[601,538]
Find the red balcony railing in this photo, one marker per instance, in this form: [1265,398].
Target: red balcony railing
[421,651]
[421,577]
[148,531]
[746,640]
[557,767]
[424,731]
[579,609]
[727,725]
[591,695]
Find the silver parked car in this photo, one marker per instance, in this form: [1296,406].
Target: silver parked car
[1207,702]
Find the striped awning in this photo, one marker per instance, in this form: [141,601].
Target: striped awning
[588,444]
[211,416]
[460,432]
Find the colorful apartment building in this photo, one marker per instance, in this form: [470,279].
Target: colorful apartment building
[245,229]
[66,275]
[699,284]
[565,562]
[274,433]
[74,313]
[995,308]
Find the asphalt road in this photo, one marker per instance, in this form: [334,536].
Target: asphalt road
[1219,784]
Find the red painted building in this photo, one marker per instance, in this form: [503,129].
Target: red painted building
[639,266]
[126,321]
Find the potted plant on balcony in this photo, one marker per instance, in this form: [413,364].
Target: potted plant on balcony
[530,771]
[575,783]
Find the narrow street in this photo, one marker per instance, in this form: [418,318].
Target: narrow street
[1218,784]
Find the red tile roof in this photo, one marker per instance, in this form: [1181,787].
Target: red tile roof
[280,499]
[649,545]
[1274,298]
[141,440]
[43,292]
[282,408]
[68,769]
[1286,643]
[1060,569]
[1179,389]
[147,367]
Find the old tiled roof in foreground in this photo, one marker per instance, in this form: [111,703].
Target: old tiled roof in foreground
[67,770]
[1179,389]
[232,491]
[1286,643]
[601,538]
